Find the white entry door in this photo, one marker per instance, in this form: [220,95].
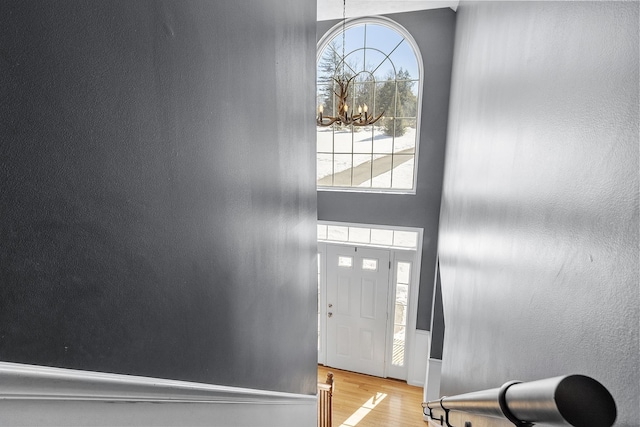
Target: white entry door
[357,305]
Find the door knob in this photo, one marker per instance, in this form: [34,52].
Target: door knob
[329,314]
[330,305]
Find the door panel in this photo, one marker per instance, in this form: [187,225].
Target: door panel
[366,344]
[368,299]
[343,348]
[357,304]
[344,296]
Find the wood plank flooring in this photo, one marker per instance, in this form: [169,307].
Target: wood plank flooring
[366,401]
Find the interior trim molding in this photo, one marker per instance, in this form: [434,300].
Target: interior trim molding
[32,383]
[418,359]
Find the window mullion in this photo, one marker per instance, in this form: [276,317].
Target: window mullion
[372,39]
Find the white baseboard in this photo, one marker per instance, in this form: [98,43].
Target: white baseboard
[418,365]
[36,395]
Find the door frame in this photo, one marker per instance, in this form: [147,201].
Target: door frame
[396,255]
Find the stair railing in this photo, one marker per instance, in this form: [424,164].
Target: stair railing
[576,400]
[325,401]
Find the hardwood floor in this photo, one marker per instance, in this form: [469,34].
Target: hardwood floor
[366,401]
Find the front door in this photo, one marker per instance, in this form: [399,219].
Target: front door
[357,306]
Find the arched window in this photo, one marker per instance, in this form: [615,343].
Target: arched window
[386,66]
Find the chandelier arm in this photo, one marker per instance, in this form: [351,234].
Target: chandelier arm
[332,120]
[376,119]
[369,122]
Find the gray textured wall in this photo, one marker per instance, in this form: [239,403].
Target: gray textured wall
[539,227]
[157,216]
[437,321]
[433,31]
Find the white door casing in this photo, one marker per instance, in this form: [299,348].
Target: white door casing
[357,308]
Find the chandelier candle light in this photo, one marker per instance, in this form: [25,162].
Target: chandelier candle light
[343,117]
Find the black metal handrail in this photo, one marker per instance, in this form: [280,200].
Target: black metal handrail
[574,399]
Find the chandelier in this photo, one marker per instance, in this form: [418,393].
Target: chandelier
[343,116]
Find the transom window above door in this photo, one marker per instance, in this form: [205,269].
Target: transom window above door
[394,237]
[386,67]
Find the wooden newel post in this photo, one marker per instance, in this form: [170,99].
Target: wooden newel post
[325,404]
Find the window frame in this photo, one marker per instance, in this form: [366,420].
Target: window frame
[336,31]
